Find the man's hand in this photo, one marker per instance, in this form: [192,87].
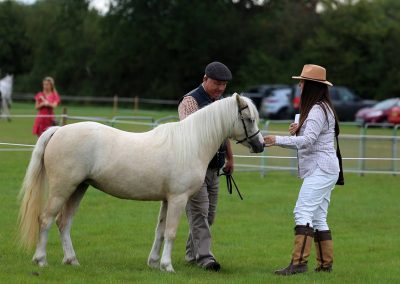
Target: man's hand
[229,165]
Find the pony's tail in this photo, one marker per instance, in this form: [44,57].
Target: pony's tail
[32,195]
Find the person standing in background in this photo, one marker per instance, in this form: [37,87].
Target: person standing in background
[202,206]
[45,102]
[6,86]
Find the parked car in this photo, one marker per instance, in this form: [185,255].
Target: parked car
[394,115]
[377,113]
[259,92]
[346,103]
[272,100]
[277,105]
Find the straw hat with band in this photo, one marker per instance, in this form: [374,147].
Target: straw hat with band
[313,73]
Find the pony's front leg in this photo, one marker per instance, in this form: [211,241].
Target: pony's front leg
[176,204]
[154,257]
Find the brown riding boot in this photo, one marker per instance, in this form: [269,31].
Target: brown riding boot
[324,250]
[302,247]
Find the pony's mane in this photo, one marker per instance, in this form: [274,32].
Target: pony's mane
[211,123]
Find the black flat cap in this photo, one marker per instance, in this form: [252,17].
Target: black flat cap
[218,71]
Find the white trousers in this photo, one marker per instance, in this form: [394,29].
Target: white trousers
[314,198]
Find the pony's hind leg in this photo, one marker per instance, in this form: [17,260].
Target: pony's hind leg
[154,257]
[54,205]
[64,223]
[176,204]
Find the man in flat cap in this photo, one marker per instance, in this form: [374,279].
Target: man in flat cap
[201,208]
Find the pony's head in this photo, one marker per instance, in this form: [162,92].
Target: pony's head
[246,130]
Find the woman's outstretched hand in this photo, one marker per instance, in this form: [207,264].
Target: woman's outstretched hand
[269,140]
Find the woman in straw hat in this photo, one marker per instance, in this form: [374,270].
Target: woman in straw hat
[313,137]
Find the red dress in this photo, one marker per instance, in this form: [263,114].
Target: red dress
[42,123]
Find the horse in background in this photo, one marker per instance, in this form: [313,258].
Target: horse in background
[6,86]
[126,165]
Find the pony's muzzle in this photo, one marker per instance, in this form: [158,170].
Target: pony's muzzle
[259,148]
[257,144]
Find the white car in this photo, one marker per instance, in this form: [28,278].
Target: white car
[278,104]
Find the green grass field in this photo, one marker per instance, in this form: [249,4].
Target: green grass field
[251,238]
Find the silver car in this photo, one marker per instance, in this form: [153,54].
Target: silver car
[278,104]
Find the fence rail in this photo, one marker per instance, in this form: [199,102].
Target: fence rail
[112,100]
[363,154]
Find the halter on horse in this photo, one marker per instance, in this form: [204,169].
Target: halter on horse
[70,158]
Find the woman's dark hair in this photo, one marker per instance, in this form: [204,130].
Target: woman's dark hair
[315,93]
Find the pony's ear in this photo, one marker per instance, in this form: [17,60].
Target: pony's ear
[239,100]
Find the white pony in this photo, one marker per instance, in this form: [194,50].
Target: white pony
[6,85]
[129,166]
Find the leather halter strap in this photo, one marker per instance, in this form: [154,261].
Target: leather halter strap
[245,129]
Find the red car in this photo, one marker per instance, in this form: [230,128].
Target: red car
[394,115]
[378,113]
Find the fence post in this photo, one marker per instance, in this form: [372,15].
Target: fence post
[64,116]
[362,149]
[263,170]
[394,149]
[136,103]
[115,105]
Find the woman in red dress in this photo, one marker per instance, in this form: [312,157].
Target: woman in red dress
[45,102]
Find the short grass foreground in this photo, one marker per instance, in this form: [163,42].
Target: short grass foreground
[252,237]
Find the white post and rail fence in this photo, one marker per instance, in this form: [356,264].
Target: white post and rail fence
[362,154]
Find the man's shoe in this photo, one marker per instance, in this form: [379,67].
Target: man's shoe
[213,266]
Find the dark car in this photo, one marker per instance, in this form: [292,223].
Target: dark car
[378,113]
[346,103]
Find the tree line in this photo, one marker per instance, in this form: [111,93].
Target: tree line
[159,49]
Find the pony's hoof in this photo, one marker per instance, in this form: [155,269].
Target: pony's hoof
[153,263]
[40,261]
[71,261]
[167,267]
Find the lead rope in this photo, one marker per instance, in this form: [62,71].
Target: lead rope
[340,180]
[229,180]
